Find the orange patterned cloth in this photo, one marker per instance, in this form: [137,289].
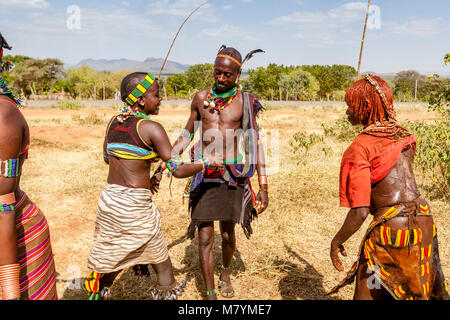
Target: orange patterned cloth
[403,262]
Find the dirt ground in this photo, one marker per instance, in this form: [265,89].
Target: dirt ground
[287,257]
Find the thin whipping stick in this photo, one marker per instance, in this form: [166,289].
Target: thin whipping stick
[362,41]
[179,29]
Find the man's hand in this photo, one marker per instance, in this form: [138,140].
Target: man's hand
[262,201]
[334,254]
[154,182]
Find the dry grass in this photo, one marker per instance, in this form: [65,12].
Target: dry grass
[287,257]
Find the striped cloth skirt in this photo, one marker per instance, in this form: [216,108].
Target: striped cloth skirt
[37,267]
[127,230]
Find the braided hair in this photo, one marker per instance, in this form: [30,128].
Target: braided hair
[372,100]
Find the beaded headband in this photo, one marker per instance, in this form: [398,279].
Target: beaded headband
[388,107]
[231,58]
[140,89]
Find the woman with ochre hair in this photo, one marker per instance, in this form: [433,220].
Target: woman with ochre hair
[399,255]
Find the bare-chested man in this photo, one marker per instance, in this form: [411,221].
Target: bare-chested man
[399,255]
[223,193]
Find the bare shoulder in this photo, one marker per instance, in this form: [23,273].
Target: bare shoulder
[10,115]
[149,130]
[199,99]
[200,96]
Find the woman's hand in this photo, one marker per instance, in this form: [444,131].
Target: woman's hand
[154,182]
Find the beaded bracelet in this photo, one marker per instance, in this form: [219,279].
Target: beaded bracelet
[202,158]
[174,164]
[186,134]
[264,187]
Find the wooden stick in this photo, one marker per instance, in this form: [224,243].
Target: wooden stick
[176,35]
[362,41]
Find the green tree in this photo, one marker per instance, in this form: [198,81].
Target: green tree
[402,90]
[324,77]
[81,81]
[299,84]
[176,83]
[199,76]
[265,81]
[342,76]
[37,76]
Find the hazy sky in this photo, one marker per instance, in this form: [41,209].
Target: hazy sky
[403,34]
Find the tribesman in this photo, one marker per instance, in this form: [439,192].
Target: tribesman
[226,119]
[399,254]
[128,224]
[27,268]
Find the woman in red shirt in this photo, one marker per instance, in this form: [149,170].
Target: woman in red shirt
[399,255]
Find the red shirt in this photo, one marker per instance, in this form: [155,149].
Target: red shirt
[366,161]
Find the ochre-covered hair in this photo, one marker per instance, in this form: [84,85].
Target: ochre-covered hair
[372,100]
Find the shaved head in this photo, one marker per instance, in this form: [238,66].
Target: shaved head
[130,82]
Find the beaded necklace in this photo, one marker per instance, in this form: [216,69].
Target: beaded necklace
[4,90]
[219,101]
[125,111]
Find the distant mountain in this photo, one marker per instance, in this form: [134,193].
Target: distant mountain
[152,65]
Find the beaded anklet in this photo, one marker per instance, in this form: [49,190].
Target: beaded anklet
[226,268]
[211,292]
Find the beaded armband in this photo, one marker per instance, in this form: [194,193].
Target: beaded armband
[7,202]
[174,164]
[9,168]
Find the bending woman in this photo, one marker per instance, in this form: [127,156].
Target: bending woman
[27,269]
[128,225]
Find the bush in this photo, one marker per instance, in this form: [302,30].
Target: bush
[69,105]
[433,146]
[91,120]
[433,155]
[342,130]
[303,141]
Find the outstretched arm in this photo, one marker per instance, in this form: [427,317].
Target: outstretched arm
[158,137]
[182,142]
[354,220]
